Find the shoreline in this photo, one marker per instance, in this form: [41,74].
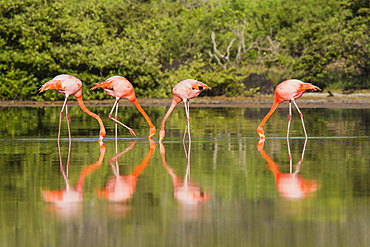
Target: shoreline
[314,100]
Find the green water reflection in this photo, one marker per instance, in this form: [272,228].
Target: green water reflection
[227,191]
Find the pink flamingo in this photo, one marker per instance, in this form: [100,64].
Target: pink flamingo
[183,91]
[290,185]
[69,85]
[120,87]
[121,188]
[65,199]
[288,90]
[185,191]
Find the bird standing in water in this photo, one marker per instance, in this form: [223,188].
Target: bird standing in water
[288,90]
[120,87]
[183,91]
[69,85]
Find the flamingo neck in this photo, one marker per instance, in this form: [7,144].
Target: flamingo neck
[168,168]
[268,115]
[175,101]
[272,165]
[141,110]
[87,111]
[87,170]
[145,162]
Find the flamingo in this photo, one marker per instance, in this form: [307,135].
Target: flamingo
[118,87]
[183,91]
[290,185]
[69,85]
[185,191]
[121,188]
[288,90]
[66,200]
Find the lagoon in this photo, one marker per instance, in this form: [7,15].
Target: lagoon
[222,189]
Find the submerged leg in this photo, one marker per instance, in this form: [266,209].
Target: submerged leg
[290,118]
[116,127]
[69,155]
[60,117]
[187,127]
[304,148]
[187,154]
[290,158]
[115,120]
[69,129]
[300,114]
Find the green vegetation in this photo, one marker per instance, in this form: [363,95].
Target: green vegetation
[155,44]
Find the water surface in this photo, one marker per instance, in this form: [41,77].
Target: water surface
[224,189]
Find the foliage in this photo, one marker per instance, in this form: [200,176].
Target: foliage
[155,44]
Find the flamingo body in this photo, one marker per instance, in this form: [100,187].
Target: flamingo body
[184,190]
[121,188]
[290,185]
[119,87]
[188,89]
[69,85]
[183,91]
[294,186]
[288,90]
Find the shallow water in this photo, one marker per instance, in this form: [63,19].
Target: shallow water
[224,189]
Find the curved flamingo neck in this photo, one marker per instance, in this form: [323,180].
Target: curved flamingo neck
[87,111]
[145,162]
[168,168]
[268,115]
[90,168]
[175,101]
[141,110]
[272,165]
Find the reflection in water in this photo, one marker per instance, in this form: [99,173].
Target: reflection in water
[65,200]
[121,188]
[185,191]
[290,185]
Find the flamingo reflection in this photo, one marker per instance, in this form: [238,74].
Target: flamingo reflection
[185,191]
[65,200]
[290,185]
[121,188]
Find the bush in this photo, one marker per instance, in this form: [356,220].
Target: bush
[156,44]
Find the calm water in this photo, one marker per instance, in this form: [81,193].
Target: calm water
[224,189]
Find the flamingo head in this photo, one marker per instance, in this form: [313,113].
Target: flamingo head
[200,85]
[261,133]
[100,140]
[152,132]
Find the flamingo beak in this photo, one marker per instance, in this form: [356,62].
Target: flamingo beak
[206,87]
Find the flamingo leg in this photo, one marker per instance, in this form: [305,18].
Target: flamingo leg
[187,154]
[65,176]
[290,118]
[290,158]
[69,129]
[304,148]
[60,117]
[300,114]
[287,135]
[187,127]
[115,120]
[116,127]
[69,153]
[116,132]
